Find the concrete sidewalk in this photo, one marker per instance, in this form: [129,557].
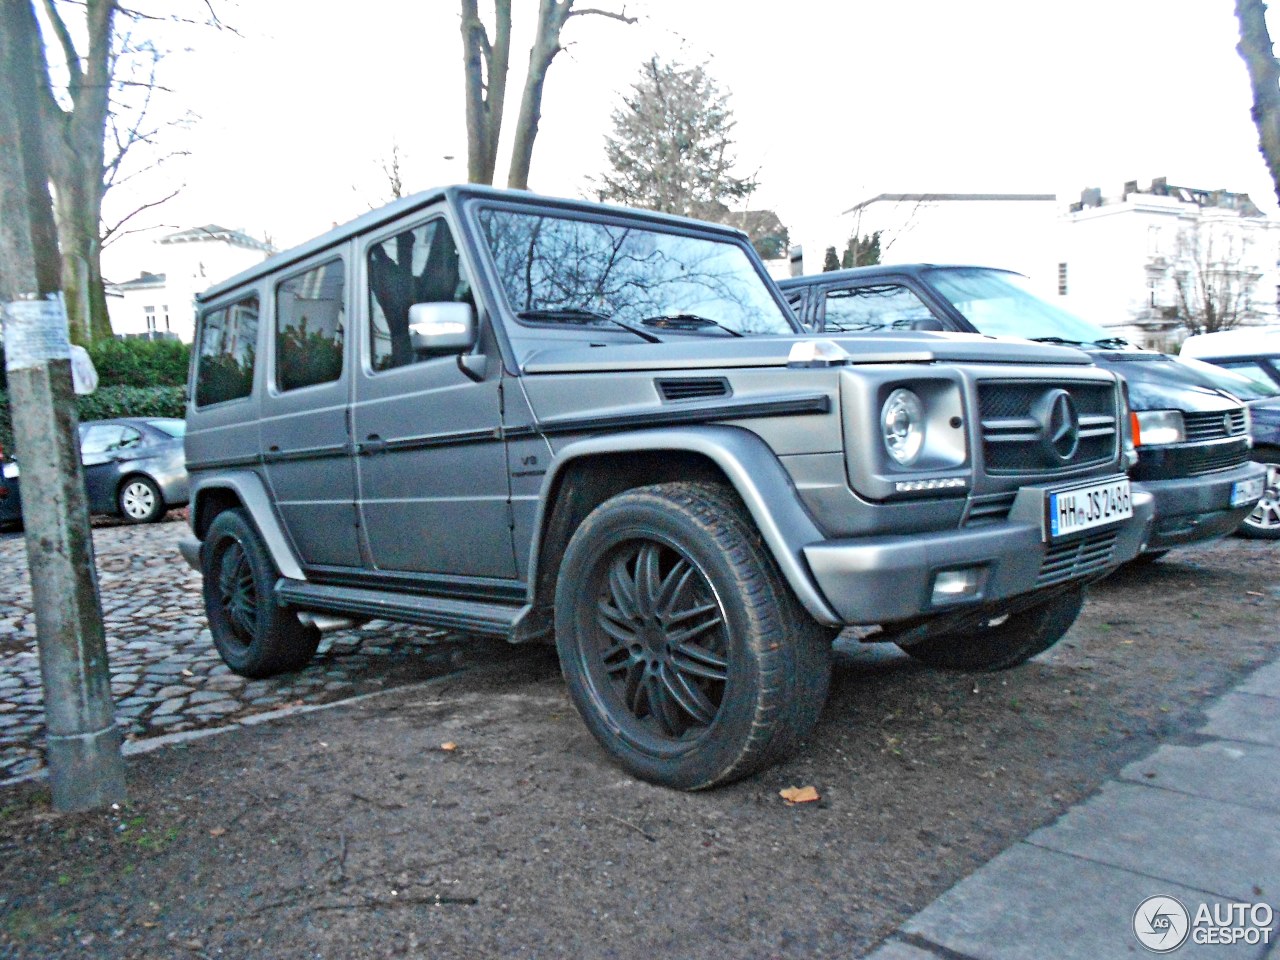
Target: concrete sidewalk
[1198,820]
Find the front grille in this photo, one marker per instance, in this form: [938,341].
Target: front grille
[1014,421]
[984,510]
[1214,426]
[692,388]
[1076,558]
[1212,459]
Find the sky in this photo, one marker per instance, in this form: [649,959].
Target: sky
[835,101]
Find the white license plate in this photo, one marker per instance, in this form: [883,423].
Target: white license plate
[1246,491]
[1071,511]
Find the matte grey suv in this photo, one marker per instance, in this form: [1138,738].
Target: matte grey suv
[525,417]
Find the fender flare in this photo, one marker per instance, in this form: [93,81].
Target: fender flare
[754,471]
[252,494]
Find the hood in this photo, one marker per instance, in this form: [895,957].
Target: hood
[690,353]
[1158,382]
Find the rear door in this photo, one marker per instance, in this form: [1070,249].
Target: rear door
[305,441]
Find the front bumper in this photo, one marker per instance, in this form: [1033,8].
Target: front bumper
[1195,509]
[881,580]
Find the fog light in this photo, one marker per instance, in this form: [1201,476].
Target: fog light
[952,585]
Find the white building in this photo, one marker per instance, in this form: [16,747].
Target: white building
[1126,262]
[162,304]
[1135,261]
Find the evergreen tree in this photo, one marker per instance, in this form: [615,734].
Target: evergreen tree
[830,261]
[670,149]
[861,251]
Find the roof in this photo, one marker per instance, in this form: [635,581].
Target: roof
[144,280]
[879,270]
[211,231]
[454,195]
[938,197]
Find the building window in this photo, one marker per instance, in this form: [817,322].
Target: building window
[1062,279]
[165,311]
[150,313]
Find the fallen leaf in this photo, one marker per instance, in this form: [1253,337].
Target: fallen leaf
[187,673]
[150,924]
[795,795]
[449,746]
[217,831]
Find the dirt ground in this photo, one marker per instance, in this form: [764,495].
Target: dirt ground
[351,833]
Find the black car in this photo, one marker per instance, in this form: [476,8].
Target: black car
[133,469]
[1192,437]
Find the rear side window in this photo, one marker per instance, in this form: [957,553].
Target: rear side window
[420,265]
[880,306]
[310,324]
[228,344]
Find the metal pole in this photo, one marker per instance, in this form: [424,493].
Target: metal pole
[86,769]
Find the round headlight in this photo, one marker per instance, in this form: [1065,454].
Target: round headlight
[902,420]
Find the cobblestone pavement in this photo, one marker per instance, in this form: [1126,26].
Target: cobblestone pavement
[166,675]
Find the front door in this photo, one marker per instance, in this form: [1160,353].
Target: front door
[433,484]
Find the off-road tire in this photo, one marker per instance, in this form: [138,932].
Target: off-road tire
[1006,644]
[667,587]
[256,636]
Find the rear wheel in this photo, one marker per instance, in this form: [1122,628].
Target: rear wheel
[140,500]
[1002,642]
[683,648]
[1264,522]
[256,636]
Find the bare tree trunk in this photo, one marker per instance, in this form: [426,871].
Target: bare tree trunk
[485,66]
[76,152]
[552,16]
[1256,49]
[27,232]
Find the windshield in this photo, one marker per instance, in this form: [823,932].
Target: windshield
[997,304]
[554,269]
[1234,383]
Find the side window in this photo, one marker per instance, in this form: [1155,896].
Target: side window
[228,344]
[420,265]
[101,437]
[1252,369]
[310,325]
[877,306]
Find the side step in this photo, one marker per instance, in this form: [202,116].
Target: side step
[468,616]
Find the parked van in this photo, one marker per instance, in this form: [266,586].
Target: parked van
[1253,352]
[1192,438]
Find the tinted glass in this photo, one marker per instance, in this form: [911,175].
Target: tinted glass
[174,428]
[593,272]
[105,437]
[1255,371]
[1246,381]
[417,266]
[996,304]
[310,325]
[877,306]
[228,345]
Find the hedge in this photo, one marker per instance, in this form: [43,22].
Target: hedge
[107,402]
[135,363]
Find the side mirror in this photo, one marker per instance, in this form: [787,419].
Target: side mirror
[442,327]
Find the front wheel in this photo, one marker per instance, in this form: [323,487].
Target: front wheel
[999,643]
[140,500]
[683,648]
[1264,522]
[256,636]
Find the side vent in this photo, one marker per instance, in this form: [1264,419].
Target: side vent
[675,389]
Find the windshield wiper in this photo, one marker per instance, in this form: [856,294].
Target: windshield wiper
[1071,343]
[1112,342]
[687,321]
[579,315]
